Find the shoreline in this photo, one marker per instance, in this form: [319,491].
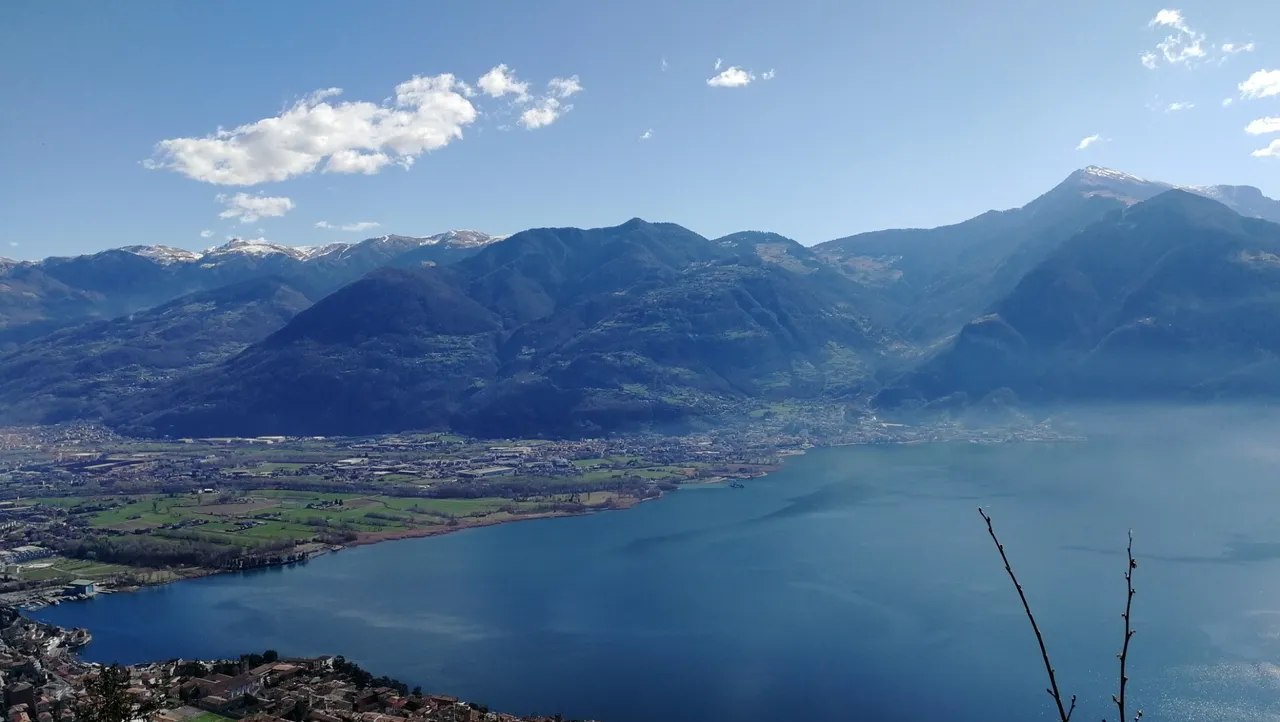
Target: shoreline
[370,538]
[364,539]
[735,473]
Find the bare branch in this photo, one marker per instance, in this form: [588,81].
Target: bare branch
[1128,634]
[1064,714]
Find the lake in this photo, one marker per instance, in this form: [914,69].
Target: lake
[857,583]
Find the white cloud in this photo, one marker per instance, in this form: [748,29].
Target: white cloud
[547,111]
[1261,84]
[13,244]
[1262,126]
[564,87]
[544,113]
[1233,48]
[206,233]
[361,226]
[501,81]
[1180,105]
[1271,151]
[768,74]
[1086,142]
[1184,46]
[731,77]
[1181,48]
[353,161]
[1172,18]
[647,134]
[664,65]
[427,113]
[248,209]
[719,62]
[1227,102]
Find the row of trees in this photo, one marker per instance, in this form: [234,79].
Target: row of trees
[157,551]
[363,678]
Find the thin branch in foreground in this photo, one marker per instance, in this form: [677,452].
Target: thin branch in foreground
[1128,634]
[1064,713]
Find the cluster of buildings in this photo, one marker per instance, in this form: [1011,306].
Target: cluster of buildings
[43,681]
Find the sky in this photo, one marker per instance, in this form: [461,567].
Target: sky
[188,123]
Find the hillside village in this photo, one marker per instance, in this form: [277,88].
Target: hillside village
[43,681]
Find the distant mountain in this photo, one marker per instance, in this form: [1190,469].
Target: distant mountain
[78,372]
[33,302]
[935,280]
[1174,298]
[1106,286]
[551,332]
[36,297]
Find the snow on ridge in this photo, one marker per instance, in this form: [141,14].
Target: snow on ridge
[262,248]
[1214,192]
[259,247]
[1109,174]
[164,255]
[313,252]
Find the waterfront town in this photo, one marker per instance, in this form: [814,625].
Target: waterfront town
[44,681]
[84,511]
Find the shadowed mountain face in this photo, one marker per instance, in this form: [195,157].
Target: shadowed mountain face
[1108,286]
[80,371]
[938,279]
[1175,297]
[552,331]
[36,298]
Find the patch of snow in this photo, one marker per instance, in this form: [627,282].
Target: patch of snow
[314,252]
[1214,192]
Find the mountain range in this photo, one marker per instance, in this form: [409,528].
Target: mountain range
[1106,287]
[39,297]
[553,331]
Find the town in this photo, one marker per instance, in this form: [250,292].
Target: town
[44,681]
[84,511]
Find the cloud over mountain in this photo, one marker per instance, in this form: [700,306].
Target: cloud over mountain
[248,208]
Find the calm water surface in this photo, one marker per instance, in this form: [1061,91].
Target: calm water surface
[858,583]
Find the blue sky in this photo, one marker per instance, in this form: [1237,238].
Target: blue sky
[858,115]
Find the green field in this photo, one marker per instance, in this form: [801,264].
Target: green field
[208,717]
[269,515]
[62,569]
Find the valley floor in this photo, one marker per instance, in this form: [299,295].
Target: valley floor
[79,505]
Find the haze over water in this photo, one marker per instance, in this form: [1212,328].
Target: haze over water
[857,583]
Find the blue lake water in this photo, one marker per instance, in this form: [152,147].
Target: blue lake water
[857,583]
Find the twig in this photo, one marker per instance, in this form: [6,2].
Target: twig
[1128,634]
[1064,713]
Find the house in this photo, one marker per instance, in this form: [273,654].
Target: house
[30,553]
[221,690]
[86,587]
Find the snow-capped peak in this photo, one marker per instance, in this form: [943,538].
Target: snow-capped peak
[1112,175]
[262,248]
[164,255]
[259,247]
[463,238]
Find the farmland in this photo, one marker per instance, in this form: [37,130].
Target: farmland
[128,512]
